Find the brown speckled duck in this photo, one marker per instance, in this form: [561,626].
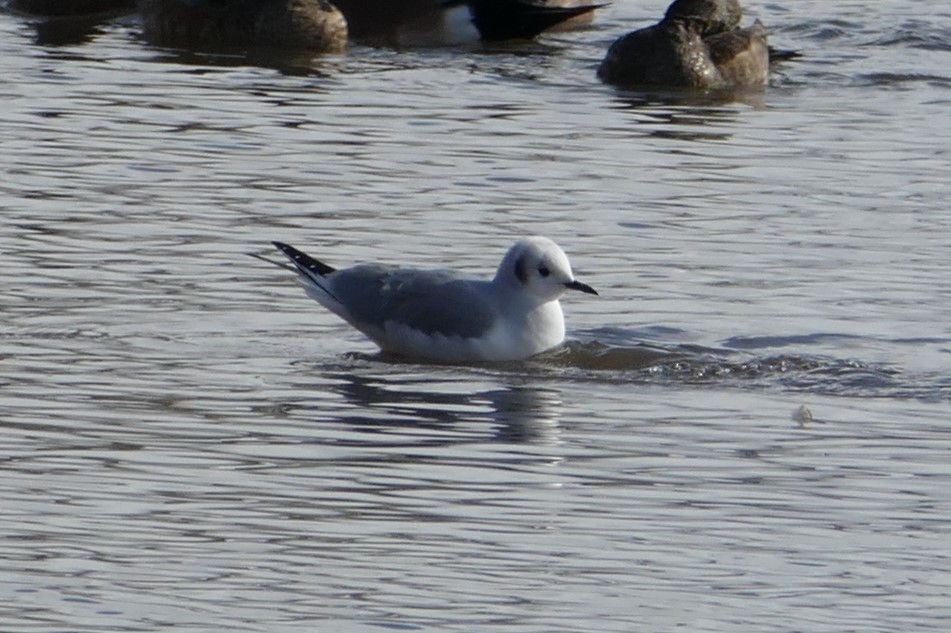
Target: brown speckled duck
[698,44]
[306,24]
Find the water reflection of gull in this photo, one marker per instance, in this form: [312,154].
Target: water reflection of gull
[387,403]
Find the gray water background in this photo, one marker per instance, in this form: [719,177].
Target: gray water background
[189,443]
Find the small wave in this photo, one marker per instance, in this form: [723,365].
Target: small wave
[767,342]
[643,356]
[886,79]
[920,34]
[688,364]
[681,361]
[51,333]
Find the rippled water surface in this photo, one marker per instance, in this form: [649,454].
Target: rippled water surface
[747,431]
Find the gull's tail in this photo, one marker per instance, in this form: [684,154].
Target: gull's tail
[313,276]
[305,264]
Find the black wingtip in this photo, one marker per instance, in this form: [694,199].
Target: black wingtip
[303,261]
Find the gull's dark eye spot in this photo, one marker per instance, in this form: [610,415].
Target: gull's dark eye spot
[543,271]
[521,270]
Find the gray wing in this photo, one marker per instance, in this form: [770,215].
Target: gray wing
[431,301]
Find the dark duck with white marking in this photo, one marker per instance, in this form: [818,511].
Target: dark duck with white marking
[698,44]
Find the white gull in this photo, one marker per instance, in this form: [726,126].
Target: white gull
[440,315]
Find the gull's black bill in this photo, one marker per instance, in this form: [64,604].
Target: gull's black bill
[577,285]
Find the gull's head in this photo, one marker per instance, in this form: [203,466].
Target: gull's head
[537,267]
